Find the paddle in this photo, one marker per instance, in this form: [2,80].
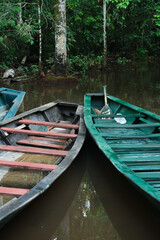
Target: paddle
[105,110]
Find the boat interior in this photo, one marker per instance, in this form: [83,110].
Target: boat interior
[33,145]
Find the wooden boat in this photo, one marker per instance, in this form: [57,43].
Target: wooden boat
[10,100]
[36,148]
[130,138]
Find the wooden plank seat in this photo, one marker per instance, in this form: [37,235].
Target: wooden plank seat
[39,144]
[27,165]
[121,136]
[153,182]
[157,187]
[138,160]
[142,163]
[13,191]
[50,124]
[145,168]
[139,155]
[149,176]
[117,125]
[135,146]
[115,115]
[33,150]
[38,133]
[104,121]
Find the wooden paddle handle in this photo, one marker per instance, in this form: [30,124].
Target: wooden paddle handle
[105,94]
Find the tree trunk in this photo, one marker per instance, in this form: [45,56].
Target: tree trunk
[40,38]
[104,34]
[20,14]
[60,37]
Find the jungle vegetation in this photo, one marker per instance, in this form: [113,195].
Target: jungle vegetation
[130,30]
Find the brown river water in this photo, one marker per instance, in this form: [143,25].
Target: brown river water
[91,201]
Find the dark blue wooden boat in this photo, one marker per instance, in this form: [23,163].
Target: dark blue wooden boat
[10,101]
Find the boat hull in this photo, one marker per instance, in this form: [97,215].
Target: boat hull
[133,147]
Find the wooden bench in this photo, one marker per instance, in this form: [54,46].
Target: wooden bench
[27,165]
[13,191]
[50,124]
[145,125]
[38,133]
[33,150]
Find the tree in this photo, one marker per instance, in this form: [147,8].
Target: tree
[40,38]
[104,33]
[60,36]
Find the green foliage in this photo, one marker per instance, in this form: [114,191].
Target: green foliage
[137,33]
[34,69]
[78,63]
[120,3]
[3,66]
[130,27]
[84,20]
[25,32]
[157,19]
[132,31]
[122,60]
[13,33]
[83,63]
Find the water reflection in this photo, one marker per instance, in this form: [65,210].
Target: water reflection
[86,218]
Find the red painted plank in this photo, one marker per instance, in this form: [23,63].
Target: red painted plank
[32,166]
[39,144]
[47,139]
[33,150]
[13,191]
[50,124]
[38,133]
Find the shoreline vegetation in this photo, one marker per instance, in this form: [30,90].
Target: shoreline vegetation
[76,70]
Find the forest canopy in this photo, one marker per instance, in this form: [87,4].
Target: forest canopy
[132,30]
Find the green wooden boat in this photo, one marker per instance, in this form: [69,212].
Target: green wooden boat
[10,101]
[129,136]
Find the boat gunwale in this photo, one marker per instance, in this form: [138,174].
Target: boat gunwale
[108,151]
[13,207]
